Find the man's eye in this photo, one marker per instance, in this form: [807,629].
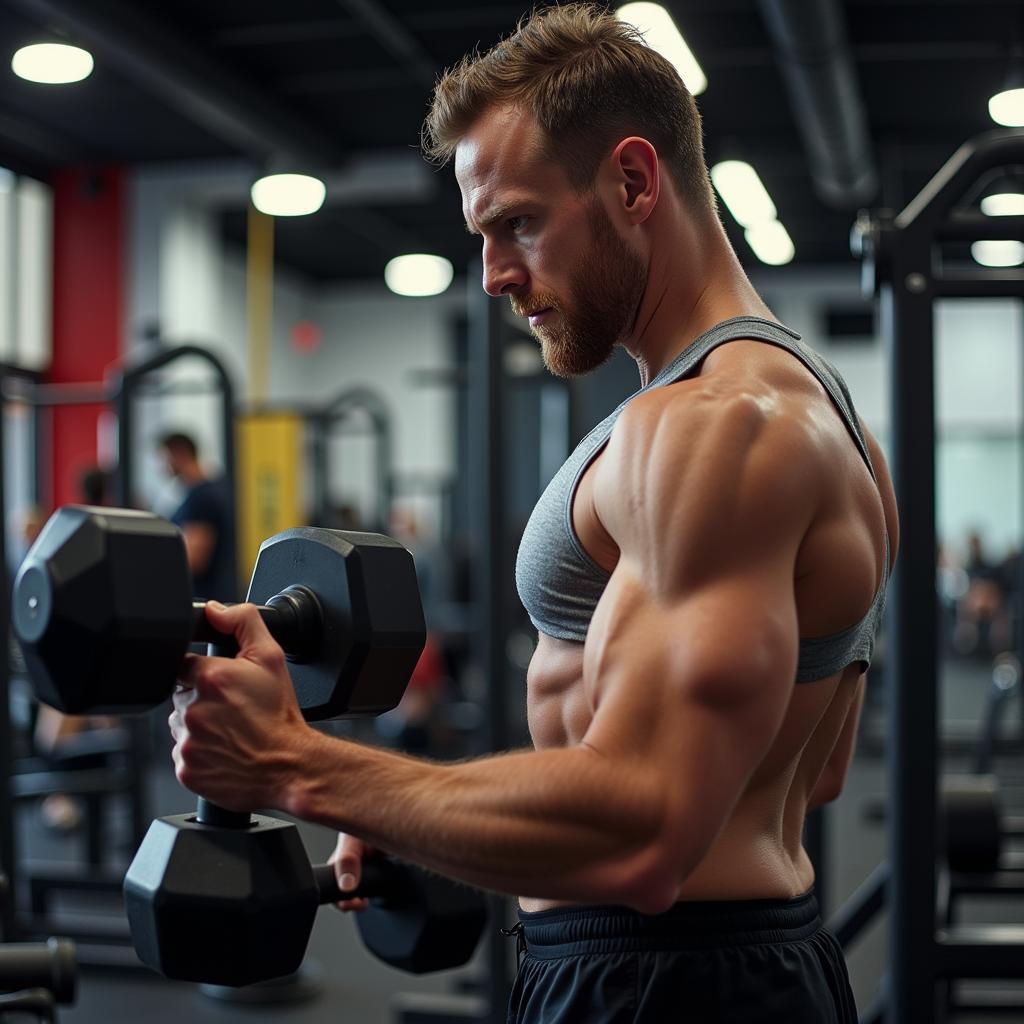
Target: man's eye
[517,223]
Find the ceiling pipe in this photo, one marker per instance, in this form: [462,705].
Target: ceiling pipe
[395,38]
[818,67]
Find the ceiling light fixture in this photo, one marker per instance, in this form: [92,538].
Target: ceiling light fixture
[662,35]
[743,193]
[1003,204]
[288,195]
[1001,253]
[418,274]
[771,243]
[1007,107]
[52,63]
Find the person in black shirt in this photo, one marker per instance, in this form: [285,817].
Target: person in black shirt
[203,517]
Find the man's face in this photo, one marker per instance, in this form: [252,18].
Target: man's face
[555,253]
[172,460]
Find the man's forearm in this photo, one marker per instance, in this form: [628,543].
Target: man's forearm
[562,824]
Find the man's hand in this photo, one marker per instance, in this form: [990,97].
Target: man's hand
[348,868]
[239,734]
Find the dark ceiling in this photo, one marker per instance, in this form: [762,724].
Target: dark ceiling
[331,80]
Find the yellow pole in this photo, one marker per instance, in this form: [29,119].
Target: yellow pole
[259,271]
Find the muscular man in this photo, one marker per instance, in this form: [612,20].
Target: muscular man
[706,574]
[202,517]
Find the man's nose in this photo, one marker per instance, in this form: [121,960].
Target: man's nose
[503,274]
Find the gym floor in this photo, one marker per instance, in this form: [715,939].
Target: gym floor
[358,988]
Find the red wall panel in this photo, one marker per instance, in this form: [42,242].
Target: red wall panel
[88,309]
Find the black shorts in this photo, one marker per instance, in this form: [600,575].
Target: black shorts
[748,962]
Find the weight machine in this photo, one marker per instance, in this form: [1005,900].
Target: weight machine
[120,770]
[903,266]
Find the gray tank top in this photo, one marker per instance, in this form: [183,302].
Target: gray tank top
[560,584]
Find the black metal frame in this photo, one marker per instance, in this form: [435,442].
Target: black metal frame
[492,581]
[121,392]
[901,262]
[324,420]
[130,384]
[8,843]
[8,848]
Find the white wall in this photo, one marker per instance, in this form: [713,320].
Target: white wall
[377,340]
[176,273]
[980,378]
[978,364]
[185,279]
[26,271]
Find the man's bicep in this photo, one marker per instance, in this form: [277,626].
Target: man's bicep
[728,648]
[690,696]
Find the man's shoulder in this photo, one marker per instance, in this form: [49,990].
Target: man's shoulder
[733,418]
[210,486]
[205,499]
[700,459]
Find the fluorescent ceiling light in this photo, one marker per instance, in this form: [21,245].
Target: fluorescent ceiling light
[661,34]
[288,195]
[771,243]
[1002,253]
[1005,204]
[741,190]
[1007,108]
[52,63]
[418,274]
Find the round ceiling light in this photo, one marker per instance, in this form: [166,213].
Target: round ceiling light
[288,195]
[418,274]
[52,63]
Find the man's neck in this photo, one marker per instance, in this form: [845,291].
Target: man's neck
[192,475]
[698,284]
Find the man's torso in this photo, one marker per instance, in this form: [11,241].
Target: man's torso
[839,568]
[206,503]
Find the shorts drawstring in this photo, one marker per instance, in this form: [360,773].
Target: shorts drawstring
[517,931]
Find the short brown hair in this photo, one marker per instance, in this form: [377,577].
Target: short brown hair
[589,80]
[178,442]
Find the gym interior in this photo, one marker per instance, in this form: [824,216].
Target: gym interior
[339,368]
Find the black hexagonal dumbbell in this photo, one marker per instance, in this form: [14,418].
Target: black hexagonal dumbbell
[103,608]
[195,921]
[104,593]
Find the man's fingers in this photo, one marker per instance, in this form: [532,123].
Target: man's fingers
[175,723]
[348,864]
[243,621]
[354,904]
[348,869]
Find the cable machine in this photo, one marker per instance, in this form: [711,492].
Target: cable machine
[325,422]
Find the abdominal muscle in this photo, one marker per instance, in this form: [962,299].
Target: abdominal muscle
[759,852]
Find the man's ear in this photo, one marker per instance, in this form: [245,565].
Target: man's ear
[637,169]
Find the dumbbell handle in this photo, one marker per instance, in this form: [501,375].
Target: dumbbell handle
[381,877]
[50,965]
[295,620]
[293,617]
